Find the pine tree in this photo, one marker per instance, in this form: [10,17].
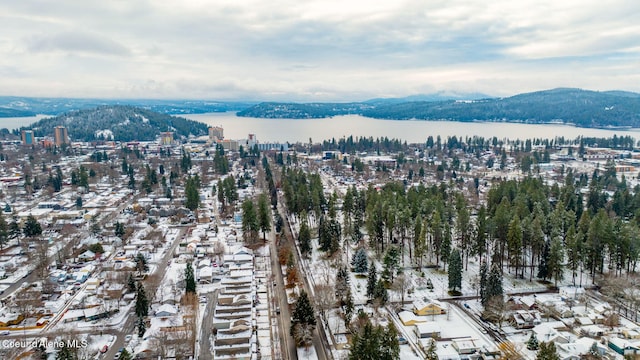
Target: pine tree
[141,264]
[483,282]
[372,279]
[190,281]
[191,194]
[131,283]
[543,267]
[547,351]
[532,343]
[125,355]
[32,227]
[142,327]
[391,263]
[304,239]
[142,303]
[359,262]
[303,314]
[264,215]
[494,283]
[342,283]
[431,351]
[250,225]
[380,292]
[4,231]
[556,259]
[348,308]
[455,271]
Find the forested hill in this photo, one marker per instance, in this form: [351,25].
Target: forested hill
[120,123]
[273,110]
[583,108]
[6,112]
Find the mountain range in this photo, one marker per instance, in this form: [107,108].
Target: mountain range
[579,107]
[583,108]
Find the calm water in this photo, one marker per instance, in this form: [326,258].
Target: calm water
[413,131]
[17,122]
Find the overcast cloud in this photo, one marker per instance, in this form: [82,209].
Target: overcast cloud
[325,50]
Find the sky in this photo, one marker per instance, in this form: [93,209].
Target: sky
[326,50]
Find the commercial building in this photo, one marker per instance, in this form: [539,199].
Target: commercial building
[60,135]
[27,137]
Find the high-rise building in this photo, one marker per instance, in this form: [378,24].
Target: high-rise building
[216,133]
[166,138]
[27,137]
[60,135]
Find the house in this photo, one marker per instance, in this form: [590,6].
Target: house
[10,319]
[464,346]
[205,275]
[428,307]
[546,333]
[427,330]
[593,331]
[166,310]
[623,347]
[409,319]
[526,319]
[87,256]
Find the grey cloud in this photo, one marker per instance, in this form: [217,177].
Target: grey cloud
[76,42]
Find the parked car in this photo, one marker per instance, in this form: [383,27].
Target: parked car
[104,349]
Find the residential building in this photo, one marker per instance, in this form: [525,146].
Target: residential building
[60,135]
[27,137]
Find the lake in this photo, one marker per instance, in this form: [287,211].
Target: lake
[413,131]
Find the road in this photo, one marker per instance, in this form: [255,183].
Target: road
[130,320]
[287,345]
[320,342]
[204,351]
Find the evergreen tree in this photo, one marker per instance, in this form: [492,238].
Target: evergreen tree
[190,281]
[250,225]
[360,262]
[342,283]
[455,271]
[131,283]
[119,229]
[556,259]
[141,264]
[32,227]
[303,314]
[375,343]
[494,283]
[543,267]
[372,279]
[391,263]
[483,282]
[389,346]
[532,343]
[431,351]
[192,194]
[79,202]
[4,231]
[380,292]
[348,308]
[547,351]
[264,215]
[142,304]
[142,327]
[304,239]
[66,353]
[125,355]
[14,228]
